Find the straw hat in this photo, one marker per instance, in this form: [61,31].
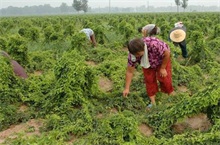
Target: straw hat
[177,35]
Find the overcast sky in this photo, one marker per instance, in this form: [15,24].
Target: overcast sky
[105,3]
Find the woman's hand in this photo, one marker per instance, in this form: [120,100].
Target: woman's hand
[163,72]
[125,93]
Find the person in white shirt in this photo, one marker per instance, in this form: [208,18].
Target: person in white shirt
[90,34]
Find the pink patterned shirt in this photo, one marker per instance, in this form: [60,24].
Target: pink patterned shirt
[156,50]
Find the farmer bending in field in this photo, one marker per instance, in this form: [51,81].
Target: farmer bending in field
[149,30]
[154,57]
[90,34]
[17,68]
[178,36]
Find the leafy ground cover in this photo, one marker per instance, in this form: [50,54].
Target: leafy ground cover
[74,92]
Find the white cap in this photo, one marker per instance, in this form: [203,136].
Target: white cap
[150,27]
[179,24]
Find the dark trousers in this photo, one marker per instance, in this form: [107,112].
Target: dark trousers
[183,48]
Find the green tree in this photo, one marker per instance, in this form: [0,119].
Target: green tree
[77,5]
[178,3]
[184,4]
[84,5]
[63,8]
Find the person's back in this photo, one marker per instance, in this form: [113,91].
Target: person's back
[89,32]
[17,68]
[90,35]
[178,36]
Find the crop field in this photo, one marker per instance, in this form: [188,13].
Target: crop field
[73,93]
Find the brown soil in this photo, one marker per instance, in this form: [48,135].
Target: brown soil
[145,130]
[180,58]
[105,84]
[182,89]
[113,110]
[23,108]
[91,63]
[99,116]
[125,49]
[72,139]
[179,128]
[198,122]
[38,73]
[30,128]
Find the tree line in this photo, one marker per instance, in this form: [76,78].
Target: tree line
[82,6]
[77,5]
[183,3]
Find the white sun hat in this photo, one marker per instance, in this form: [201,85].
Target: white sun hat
[150,27]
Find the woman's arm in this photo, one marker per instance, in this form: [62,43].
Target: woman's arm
[128,78]
[166,57]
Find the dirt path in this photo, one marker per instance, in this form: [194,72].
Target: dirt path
[32,127]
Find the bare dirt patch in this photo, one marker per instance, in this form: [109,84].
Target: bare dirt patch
[145,130]
[179,128]
[180,58]
[105,84]
[38,73]
[198,122]
[125,49]
[23,108]
[32,127]
[91,63]
[182,88]
[113,110]
[72,139]
[99,116]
